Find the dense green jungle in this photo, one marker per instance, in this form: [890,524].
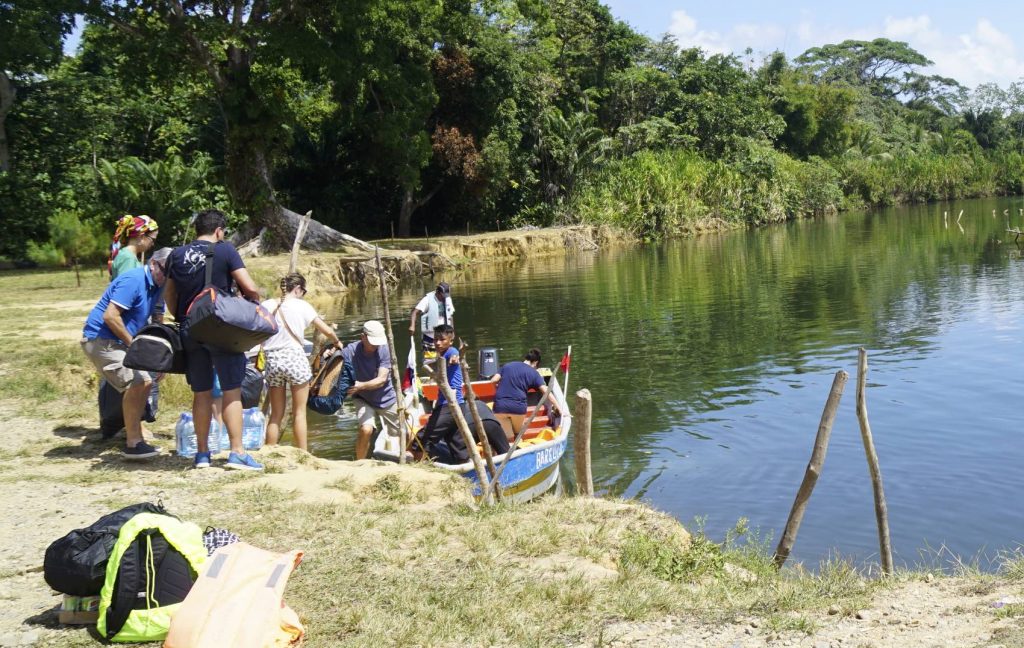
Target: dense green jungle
[421,117]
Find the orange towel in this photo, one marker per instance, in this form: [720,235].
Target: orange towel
[237,601]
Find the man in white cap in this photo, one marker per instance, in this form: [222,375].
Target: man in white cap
[373,393]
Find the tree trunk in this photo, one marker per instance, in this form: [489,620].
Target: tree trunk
[405,214]
[7,96]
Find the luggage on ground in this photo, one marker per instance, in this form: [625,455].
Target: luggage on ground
[112,410]
[77,563]
[151,569]
[238,601]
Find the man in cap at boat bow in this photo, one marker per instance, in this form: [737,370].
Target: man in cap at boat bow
[436,309]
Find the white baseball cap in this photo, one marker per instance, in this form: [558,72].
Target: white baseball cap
[374,332]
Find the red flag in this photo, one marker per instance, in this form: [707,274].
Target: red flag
[564,364]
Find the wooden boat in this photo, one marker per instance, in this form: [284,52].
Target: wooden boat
[533,468]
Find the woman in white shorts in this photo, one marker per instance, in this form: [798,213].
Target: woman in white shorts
[286,357]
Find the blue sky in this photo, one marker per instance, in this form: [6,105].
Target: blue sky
[972,42]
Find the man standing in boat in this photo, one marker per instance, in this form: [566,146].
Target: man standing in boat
[436,309]
[372,393]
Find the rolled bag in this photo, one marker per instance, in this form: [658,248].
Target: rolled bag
[325,398]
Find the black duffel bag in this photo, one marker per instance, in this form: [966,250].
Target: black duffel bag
[77,563]
[157,348]
[225,321]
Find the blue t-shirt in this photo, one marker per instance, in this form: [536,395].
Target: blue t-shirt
[516,379]
[454,377]
[187,267]
[366,368]
[135,292]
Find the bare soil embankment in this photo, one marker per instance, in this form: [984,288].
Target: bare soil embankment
[402,258]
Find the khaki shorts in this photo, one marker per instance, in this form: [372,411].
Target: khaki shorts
[107,356]
[367,414]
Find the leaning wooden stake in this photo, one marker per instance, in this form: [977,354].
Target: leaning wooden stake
[441,376]
[581,443]
[881,510]
[796,515]
[478,423]
[300,233]
[519,438]
[396,382]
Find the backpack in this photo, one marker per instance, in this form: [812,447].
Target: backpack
[156,347]
[331,382]
[77,563]
[225,321]
[152,567]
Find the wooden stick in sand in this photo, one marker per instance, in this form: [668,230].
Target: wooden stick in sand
[441,376]
[396,382]
[478,422]
[881,510]
[581,443]
[796,515]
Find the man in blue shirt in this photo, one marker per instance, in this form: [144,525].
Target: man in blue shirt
[373,394]
[186,278]
[514,380]
[123,309]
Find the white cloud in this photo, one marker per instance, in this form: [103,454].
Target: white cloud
[759,37]
[981,53]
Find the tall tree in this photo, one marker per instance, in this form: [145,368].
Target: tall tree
[253,53]
[32,33]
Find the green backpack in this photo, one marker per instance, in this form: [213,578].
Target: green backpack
[151,569]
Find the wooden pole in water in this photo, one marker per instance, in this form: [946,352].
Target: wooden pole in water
[478,422]
[441,377]
[581,443]
[796,515]
[396,382]
[881,510]
[300,233]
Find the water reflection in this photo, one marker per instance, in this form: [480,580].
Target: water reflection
[710,360]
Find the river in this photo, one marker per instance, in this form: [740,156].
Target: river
[710,361]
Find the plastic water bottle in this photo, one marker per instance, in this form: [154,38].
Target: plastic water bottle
[185,436]
[253,428]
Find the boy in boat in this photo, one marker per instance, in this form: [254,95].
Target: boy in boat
[437,309]
[441,436]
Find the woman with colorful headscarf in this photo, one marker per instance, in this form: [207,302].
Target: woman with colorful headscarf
[140,231]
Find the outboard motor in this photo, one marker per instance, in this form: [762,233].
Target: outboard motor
[487,360]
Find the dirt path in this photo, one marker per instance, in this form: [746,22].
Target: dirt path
[57,478]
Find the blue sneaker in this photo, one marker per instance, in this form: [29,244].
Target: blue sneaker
[141,450]
[242,462]
[202,460]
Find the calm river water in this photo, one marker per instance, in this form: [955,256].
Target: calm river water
[710,361]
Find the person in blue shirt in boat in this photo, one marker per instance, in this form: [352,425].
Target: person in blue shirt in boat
[114,321]
[514,380]
[441,436]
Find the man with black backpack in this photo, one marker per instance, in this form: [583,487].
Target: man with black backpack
[186,278]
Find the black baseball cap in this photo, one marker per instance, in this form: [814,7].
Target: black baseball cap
[444,288]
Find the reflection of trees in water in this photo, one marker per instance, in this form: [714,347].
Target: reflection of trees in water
[665,335]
